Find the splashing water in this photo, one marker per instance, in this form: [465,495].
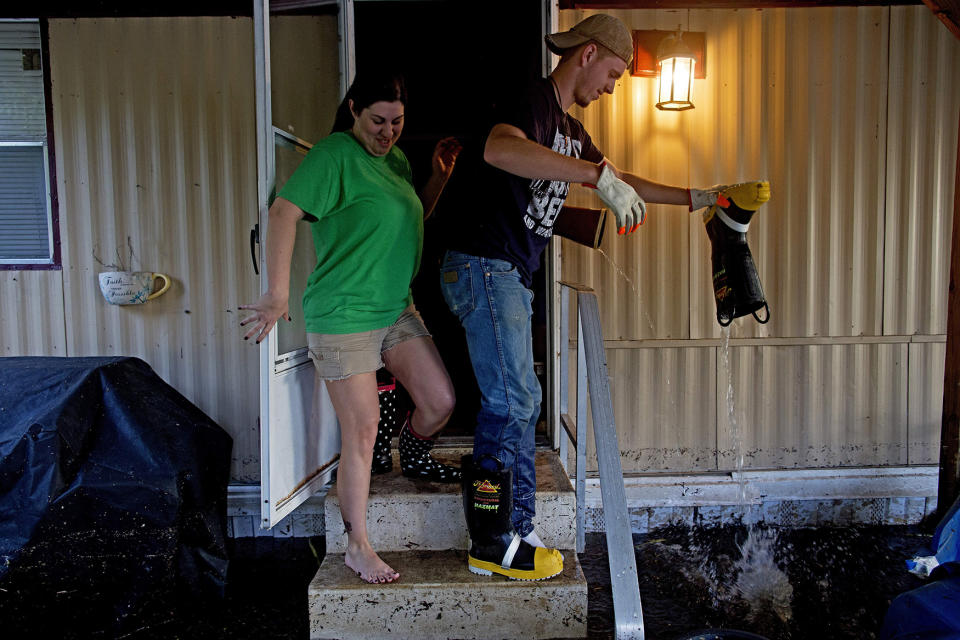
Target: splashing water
[754,578]
[736,440]
[636,289]
[760,582]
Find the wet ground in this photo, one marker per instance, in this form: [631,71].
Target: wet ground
[826,584]
[823,584]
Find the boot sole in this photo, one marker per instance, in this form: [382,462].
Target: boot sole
[483,568]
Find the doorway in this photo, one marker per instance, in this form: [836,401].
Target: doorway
[459,63]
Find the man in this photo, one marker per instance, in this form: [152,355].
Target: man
[532,155]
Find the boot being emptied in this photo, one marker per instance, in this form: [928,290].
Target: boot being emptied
[416,461]
[494,545]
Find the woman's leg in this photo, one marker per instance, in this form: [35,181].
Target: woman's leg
[358,409]
[417,365]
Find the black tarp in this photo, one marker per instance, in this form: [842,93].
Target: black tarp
[113,494]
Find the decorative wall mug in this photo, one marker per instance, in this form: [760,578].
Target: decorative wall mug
[131,287]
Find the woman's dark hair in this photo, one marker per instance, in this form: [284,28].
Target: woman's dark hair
[367,88]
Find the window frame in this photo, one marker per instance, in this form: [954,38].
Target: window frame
[54,262]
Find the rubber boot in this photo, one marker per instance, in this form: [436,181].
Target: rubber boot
[382,459]
[416,461]
[736,285]
[494,545]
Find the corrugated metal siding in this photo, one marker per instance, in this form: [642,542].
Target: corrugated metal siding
[921,156]
[818,242]
[925,401]
[31,314]
[814,405]
[854,242]
[156,163]
[659,427]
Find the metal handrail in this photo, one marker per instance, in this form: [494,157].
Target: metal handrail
[592,374]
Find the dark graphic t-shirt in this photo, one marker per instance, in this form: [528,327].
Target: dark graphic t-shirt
[513,217]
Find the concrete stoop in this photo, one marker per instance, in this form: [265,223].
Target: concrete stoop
[405,514]
[418,528]
[438,598]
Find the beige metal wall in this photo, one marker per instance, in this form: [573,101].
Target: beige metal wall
[851,113]
[156,168]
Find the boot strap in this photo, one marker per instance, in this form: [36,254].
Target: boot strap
[511,551]
[730,222]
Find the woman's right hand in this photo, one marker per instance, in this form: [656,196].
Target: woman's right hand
[266,312]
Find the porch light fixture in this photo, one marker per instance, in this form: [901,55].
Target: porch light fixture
[676,64]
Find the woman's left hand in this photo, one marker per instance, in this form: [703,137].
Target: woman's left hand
[445,156]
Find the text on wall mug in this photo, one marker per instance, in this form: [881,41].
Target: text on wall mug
[131,287]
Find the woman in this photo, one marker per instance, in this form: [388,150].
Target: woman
[355,189]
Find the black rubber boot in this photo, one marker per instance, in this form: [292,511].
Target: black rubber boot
[736,284]
[382,460]
[416,461]
[494,545]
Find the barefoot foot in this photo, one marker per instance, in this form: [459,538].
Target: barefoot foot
[368,565]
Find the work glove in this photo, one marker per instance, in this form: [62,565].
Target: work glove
[628,207]
[700,198]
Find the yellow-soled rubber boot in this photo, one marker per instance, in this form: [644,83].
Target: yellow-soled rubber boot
[748,196]
[545,563]
[736,284]
[494,545]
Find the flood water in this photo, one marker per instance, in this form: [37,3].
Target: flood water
[800,584]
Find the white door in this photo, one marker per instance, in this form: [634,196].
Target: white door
[299,435]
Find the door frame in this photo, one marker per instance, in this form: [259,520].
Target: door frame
[287,383]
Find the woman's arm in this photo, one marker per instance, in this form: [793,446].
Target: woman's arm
[444,157]
[273,304]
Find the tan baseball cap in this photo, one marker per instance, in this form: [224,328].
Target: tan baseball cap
[607,30]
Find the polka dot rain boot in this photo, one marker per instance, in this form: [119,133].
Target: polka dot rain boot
[389,416]
[416,461]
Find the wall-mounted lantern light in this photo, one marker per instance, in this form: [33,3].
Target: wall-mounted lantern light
[678,60]
[676,63]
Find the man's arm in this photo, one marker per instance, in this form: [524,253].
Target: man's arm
[654,191]
[509,149]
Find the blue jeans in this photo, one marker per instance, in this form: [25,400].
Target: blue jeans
[494,308]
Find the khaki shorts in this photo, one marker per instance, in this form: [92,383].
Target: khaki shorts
[340,355]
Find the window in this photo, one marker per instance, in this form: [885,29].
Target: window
[27,233]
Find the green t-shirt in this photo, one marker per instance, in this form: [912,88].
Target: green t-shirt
[367,224]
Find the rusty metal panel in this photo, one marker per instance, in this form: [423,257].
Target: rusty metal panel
[921,159]
[813,405]
[926,401]
[31,314]
[154,123]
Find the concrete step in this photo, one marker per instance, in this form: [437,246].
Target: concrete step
[405,514]
[437,597]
